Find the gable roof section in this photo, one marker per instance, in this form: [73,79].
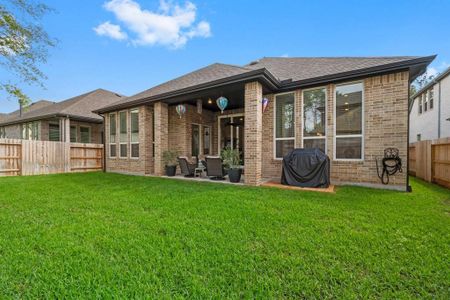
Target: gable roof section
[281,73]
[435,80]
[303,68]
[79,107]
[33,106]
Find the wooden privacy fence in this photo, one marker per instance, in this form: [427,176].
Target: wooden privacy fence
[430,161]
[23,157]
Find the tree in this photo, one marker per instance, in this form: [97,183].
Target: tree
[420,82]
[24,45]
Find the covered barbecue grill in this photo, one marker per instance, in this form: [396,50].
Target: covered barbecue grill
[306,168]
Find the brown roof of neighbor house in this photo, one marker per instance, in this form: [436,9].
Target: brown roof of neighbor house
[79,107]
[280,72]
[33,106]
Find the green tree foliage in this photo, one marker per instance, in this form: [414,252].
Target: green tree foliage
[24,45]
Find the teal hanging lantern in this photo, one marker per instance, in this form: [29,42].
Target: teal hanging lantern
[222,103]
[181,109]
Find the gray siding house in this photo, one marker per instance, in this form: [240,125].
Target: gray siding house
[429,112]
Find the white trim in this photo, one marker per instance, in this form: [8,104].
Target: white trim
[134,111]
[115,135]
[275,139]
[361,135]
[120,133]
[302,123]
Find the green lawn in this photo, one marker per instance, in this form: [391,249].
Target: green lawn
[101,235]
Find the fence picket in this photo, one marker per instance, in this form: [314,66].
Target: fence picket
[23,157]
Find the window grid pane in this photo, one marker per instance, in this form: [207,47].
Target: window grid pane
[283,147]
[348,147]
[85,134]
[123,126]
[285,116]
[134,126]
[314,112]
[315,143]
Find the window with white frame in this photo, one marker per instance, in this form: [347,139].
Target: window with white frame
[31,131]
[2,132]
[425,101]
[314,119]
[123,138]
[420,104]
[112,135]
[349,122]
[134,127]
[85,134]
[284,124]
[431,98]
[73,134]
[53,132]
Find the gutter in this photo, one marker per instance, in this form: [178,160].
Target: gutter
[439,111]
[408,187]
[58,115]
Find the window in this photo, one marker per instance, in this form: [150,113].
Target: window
[85,134]
[419,137]
[195,140]
[314,119]
[2,132]
[134,126]
[206,140]
[123,133]
[53,132]
[284,124]
[420,104]
[425,101]
[431,98]
[349,122]
[112,135]
[73,134]
[31,131]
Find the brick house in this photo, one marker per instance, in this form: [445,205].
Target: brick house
[69,120]
[351,108]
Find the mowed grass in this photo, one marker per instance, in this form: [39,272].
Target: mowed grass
[107,235]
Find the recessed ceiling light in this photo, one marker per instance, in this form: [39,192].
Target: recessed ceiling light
[209,101]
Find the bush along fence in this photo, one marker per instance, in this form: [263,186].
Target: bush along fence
[430,161]
[23,157]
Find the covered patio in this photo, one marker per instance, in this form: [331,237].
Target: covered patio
[195,126]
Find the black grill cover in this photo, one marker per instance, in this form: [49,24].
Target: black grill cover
[306,168]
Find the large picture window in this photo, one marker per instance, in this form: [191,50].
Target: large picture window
[284,124]
[31,131]
[314,119]
[349,122]
[134,126]
[112,135]
[123,138]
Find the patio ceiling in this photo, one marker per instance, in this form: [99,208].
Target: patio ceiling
[233,92]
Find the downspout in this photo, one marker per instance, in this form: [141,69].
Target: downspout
[104,143]
[408,187]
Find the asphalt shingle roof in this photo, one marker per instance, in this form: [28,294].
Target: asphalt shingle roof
[301,68]
[80,106]
[282,68]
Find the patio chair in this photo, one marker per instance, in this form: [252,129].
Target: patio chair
[214,168]
[187,168]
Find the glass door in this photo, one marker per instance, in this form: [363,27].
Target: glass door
[231,133]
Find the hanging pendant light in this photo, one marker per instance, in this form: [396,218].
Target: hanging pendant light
[222,103]
[265,103]
[181,109]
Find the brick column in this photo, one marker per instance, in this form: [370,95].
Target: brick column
[161,135]
[253,133]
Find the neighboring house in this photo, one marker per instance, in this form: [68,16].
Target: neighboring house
[351,108]
[430,110]
[70,120]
